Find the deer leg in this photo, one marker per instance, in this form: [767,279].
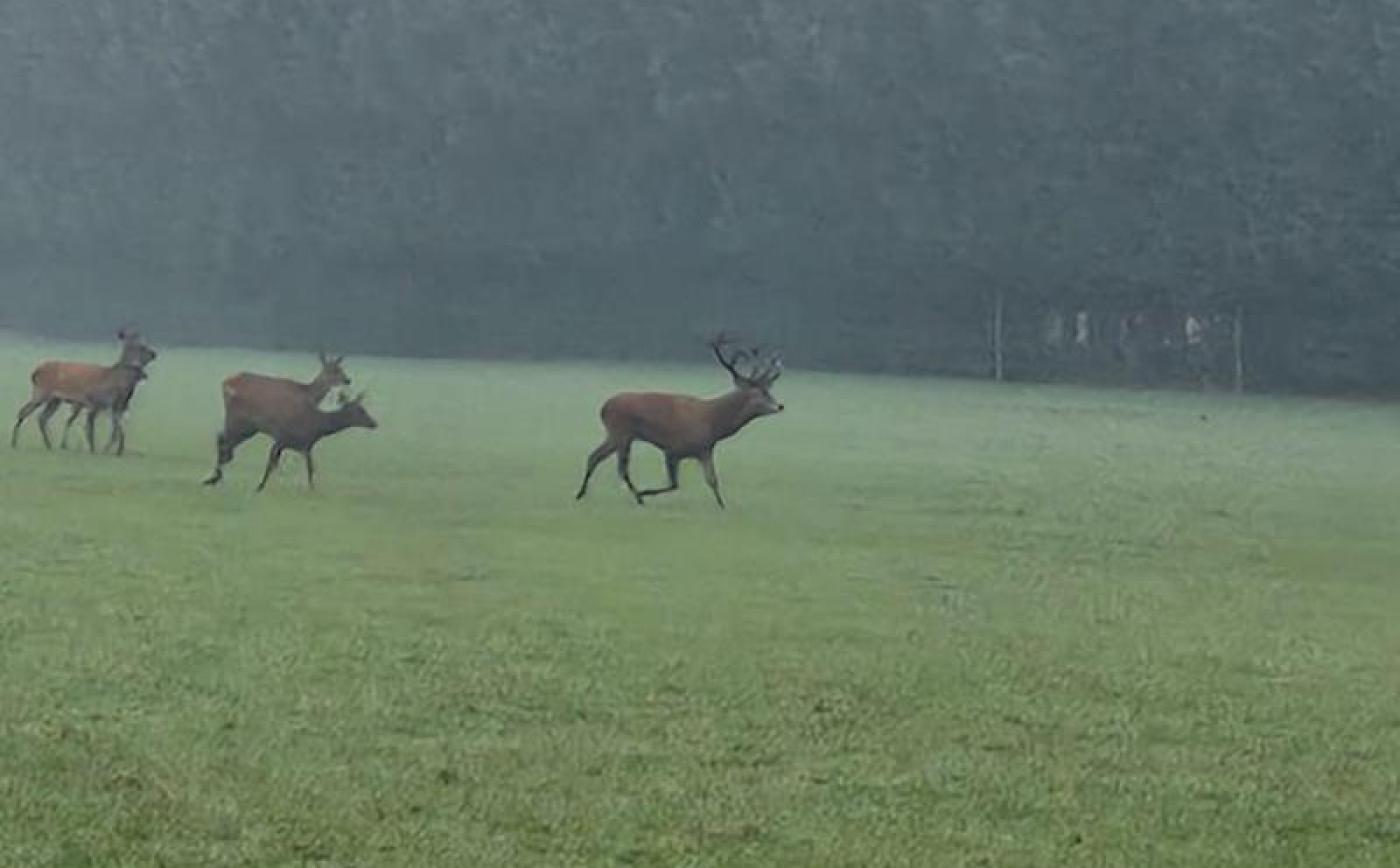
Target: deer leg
[673,473]
[24,413]
[707,461]
[310,470]
[226,441]
[68,426]
[89,424]
[595,458]
[273,457]
[118,435]
[112,434]
[49,409]
[222,456]
[624,469]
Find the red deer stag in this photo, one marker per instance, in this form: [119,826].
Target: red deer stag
[682,426]
[287,412]
[88,387]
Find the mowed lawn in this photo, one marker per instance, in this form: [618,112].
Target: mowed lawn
[941,623]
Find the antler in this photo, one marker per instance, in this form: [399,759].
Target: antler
[761,372]
[772,370]
[717,345]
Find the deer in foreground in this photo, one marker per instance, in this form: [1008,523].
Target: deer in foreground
[252,400]
[682,426]
[88,387]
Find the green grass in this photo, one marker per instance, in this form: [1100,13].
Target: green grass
[941,624]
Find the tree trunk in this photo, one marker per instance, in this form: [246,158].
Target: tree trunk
[1239,350]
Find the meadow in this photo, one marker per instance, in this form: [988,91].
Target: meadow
[941,623]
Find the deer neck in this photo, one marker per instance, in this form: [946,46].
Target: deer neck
[730,413]
[328,423]
[129,373]
[318,388]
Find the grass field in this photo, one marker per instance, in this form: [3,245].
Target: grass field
[941,623]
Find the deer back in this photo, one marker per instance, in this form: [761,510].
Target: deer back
[81,382]
[272,405]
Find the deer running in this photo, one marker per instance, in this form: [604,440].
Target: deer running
[94,388]
[682,426]
[288,412]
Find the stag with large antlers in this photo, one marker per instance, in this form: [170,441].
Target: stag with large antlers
[682,426]
[94,388]
[285,410]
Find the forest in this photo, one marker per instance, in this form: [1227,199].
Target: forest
[1179,192]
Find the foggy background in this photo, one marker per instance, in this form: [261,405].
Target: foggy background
[858,181]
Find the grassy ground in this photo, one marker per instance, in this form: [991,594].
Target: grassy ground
[941,624]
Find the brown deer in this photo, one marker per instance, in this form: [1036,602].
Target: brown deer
[297,425]
[288,413]
[91,387]
[248,398]
[120,406]
[682,426]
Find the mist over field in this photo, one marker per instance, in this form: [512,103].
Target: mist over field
[858,182]
[897,572]
[940,622]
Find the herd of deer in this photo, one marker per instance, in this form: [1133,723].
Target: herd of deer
[290,413]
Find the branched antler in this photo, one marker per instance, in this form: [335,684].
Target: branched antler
[762,373]
[717,345]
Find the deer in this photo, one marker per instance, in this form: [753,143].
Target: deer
[294,424]
[289,413]
[683,426]
[119,406]
[246,395]
[88,387]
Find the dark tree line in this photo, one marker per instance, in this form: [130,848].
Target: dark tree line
[864,183]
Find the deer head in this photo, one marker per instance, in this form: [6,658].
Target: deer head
[758,377]
[135,353]
[354,412]
[332,374]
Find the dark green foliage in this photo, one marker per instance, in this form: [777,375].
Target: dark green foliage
[855,181]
